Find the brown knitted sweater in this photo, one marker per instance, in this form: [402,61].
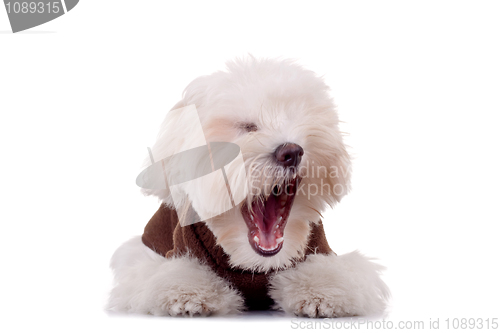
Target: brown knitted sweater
[164,235]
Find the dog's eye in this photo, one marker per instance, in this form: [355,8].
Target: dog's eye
[248,127]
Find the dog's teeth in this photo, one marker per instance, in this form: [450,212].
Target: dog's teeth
[279,220]
[251,217]
[269,248]
[279,240]
[256,239]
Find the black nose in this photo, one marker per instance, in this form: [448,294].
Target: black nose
[289,154]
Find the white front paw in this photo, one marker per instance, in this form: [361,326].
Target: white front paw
[315,307]
[183,287]
[179,303]
[331,286]
[149,283]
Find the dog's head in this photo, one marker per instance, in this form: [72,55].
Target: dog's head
[284,121]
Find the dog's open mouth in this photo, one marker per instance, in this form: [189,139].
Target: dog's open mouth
[267,219]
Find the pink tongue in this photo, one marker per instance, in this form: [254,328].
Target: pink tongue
[270,214]
[267,221]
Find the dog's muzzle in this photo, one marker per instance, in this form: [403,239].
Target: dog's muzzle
[267,217]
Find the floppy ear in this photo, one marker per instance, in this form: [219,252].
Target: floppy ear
[340,161]
[180,131]
[162,148]
[325,144]
[341,171]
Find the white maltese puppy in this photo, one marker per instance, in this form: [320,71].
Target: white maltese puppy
[269,251]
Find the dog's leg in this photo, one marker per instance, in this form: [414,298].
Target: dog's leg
[331,286]
[149,283]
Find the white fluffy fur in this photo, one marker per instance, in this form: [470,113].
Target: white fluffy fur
[149,283]
[287,104]
[331,286]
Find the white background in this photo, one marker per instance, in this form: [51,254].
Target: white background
[416,83]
